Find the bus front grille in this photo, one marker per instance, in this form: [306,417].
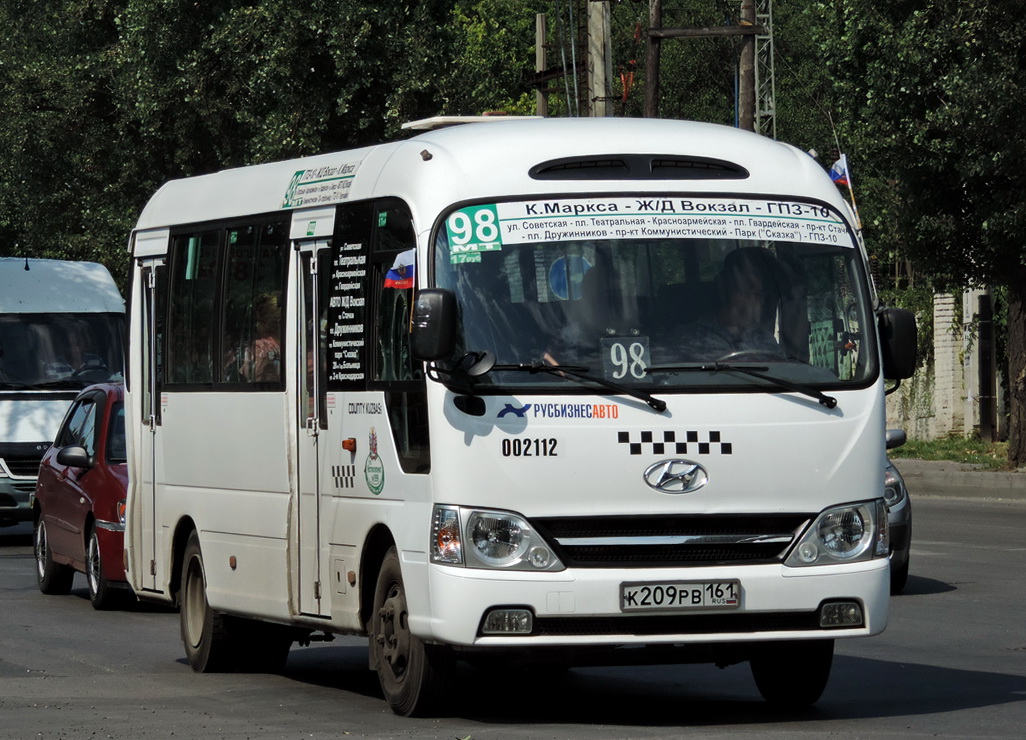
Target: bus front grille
[671,541]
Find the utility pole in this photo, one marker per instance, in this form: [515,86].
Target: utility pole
[600,54]
[655,24]
[756,109]
[541,63]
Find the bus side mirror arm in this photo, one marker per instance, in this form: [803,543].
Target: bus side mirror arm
[898,339]
[433,329]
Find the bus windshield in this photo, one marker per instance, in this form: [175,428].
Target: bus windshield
[668,299]
[60,350]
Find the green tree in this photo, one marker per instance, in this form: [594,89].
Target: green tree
[928,92]
[62,161]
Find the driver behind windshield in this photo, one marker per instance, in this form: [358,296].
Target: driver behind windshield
[742,320]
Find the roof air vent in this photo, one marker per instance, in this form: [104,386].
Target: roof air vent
[638,167]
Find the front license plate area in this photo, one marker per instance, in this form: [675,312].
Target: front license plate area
[677,596]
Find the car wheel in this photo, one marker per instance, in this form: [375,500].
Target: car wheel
[792,674]
[899,575]
[205,631]
[101,594]
[52,578]
[413,676]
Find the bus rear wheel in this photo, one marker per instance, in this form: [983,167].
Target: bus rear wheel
[413,676]
[205,633]
[792,675]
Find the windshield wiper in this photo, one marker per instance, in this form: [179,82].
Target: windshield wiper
[580,372]
[714,367]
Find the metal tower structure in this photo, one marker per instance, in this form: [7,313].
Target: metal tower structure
[765,87]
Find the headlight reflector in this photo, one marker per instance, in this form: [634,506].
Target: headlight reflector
[499,539]
[844,534]
[479,538]
[894,487]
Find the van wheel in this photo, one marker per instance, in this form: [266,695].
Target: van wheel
[52,578]
[792,674]
[101,594]
[413,676]
[208,643]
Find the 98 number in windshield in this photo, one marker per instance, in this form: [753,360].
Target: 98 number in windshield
[625,358]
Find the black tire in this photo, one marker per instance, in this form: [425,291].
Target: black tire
[899,577]
[54,579]
[101,594]
[205,632]
[413,676]
[792,675]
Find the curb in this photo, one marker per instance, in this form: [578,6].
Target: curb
[945,478]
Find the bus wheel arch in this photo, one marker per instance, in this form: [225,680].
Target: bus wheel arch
[183,532]
[376,545]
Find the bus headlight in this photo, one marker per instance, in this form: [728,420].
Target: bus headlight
[479,538]
[844,534]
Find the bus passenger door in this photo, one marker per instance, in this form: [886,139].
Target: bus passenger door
[148,390]
[310,419]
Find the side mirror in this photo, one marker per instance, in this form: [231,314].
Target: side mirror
[74,456]
[433,335]
[895,438]
[898,342]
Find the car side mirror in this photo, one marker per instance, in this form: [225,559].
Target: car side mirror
[898,338]
[74,456]
[895,438]
[433,334]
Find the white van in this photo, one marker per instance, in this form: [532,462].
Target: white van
[564,391]
[62,326]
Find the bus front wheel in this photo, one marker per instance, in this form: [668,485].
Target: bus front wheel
[208,644]
[413,676]
[792,675]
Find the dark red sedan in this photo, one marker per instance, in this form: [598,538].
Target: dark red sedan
[79,503]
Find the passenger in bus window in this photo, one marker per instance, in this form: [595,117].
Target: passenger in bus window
[263,361]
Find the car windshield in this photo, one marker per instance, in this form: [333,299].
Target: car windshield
[664,293]
[60,350]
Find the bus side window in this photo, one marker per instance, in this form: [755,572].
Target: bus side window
[252,338]
[191,314]
[394,369]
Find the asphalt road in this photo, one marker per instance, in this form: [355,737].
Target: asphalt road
[952,663]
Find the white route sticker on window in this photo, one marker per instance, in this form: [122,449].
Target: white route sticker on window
[483,228]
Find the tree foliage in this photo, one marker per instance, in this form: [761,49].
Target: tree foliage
[927,94]
[103,100]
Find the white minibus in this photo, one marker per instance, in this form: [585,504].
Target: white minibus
[553,391]
[62,326]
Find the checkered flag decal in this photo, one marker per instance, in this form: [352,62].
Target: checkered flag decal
[675,443]
[344,475]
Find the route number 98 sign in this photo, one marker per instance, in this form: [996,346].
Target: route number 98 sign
[471,231]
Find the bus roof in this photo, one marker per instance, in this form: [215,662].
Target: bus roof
[29,285]
[494,159]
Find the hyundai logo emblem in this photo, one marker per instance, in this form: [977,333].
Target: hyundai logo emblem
[676,476]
